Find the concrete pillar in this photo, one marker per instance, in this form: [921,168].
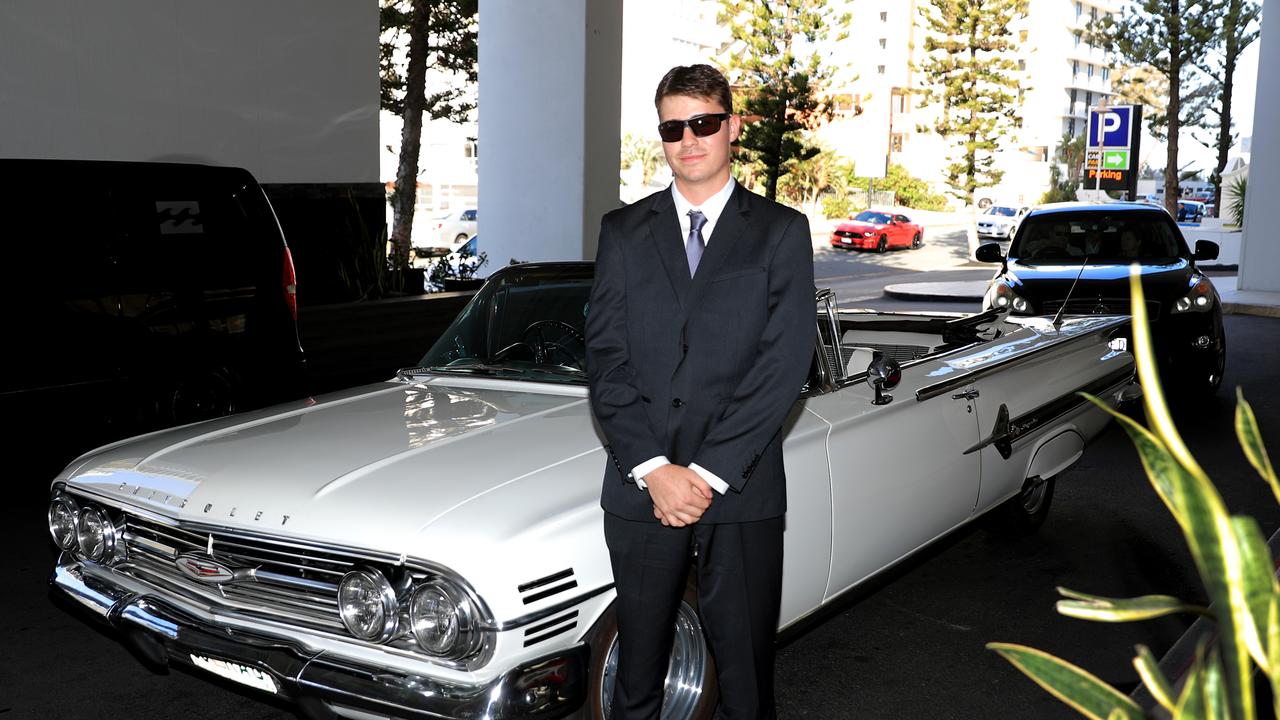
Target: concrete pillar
[549,106]
[1259,251]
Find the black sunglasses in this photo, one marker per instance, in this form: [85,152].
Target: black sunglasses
[701,125]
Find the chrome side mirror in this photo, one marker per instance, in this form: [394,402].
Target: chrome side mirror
[884,373]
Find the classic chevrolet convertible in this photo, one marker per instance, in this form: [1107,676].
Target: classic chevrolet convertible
[431,546]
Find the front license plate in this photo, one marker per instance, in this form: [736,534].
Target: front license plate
[236,672]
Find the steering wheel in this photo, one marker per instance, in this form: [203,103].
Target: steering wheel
[541,346]
[532,340]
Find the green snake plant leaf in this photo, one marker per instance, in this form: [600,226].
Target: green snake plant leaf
[1104,609]
[1273,652]
[1259,585]
[1191,705]
[1251,441]
[1215,690]
[1203,516]
[1072,685]
[1149,671]
[1152,393]
[1150,450]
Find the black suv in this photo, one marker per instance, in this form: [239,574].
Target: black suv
[141,295]
[1098,242]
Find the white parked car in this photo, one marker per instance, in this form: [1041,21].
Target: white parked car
[432,545]
[1000,221]
[454,229]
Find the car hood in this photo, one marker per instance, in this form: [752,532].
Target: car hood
[377,464]
[1038,282]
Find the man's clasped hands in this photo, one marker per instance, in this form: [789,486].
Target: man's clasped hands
[680,495]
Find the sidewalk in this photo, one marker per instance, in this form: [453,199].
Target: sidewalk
[1234,301]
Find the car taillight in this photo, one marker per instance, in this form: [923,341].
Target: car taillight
[289,283]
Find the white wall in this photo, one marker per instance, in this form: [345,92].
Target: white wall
[1259,251]
[286,88]
[549,126]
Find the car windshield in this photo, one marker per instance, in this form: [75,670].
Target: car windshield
[1101,235]
[868,216]
[1001,210]
[525,323]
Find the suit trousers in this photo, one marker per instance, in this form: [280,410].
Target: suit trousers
[739,582]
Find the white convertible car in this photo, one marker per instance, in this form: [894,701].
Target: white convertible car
[432,547]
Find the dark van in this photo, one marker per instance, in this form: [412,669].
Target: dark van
[140,296]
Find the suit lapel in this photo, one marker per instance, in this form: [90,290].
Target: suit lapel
[664,233]
[730,230]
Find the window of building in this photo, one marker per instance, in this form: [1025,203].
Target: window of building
[1071,128]
[1074,97]
[1106,73]
[884,17]
[1077,39]
[1075,68]
[880,69]
[1088,99]
[1090,70]
[1079,9]
[883,42]
[899,101]
[1093,14]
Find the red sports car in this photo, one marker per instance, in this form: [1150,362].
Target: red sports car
[879,231]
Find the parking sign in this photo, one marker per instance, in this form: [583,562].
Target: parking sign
[1110,127]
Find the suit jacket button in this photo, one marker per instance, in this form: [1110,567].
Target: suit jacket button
[677,403]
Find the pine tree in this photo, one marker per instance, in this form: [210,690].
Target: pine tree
[1166,36]
[442,37]
[1238,30]
[779,92]
[968,71]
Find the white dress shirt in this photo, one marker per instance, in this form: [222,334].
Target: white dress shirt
[711,210]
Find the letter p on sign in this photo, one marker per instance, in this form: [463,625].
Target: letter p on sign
[1110,127]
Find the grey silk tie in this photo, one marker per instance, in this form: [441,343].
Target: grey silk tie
[694,245]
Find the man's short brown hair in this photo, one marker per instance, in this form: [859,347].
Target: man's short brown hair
[700,81]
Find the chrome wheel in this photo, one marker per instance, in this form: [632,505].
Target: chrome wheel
[683,689]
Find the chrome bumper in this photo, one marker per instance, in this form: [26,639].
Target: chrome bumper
[321,685]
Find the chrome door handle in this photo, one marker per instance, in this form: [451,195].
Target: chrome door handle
[969,394]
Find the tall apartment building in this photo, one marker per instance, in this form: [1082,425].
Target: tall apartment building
[1059,73]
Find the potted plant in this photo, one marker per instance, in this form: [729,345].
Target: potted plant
[457,271]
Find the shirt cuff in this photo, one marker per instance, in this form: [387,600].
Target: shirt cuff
[712,479]
[647,467]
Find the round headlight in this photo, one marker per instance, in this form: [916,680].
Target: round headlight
[62,521]
[368,605]
[95,534]
[440,616]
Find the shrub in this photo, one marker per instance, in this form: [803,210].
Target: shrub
[837,206]
[1237,189]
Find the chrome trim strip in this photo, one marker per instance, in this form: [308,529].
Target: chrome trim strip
[965,377]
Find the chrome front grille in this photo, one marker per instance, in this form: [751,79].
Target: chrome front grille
[1098,306]
[280,581]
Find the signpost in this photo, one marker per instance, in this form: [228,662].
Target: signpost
[1111,153]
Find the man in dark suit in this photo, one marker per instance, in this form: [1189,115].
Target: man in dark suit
[700,332]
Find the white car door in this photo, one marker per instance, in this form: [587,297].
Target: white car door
[899,474]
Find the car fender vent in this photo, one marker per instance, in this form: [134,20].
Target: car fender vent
[558,625]
[545,587]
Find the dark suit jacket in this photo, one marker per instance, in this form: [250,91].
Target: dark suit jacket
[702,370]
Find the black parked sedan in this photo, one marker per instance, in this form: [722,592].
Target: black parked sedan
[1097,242]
